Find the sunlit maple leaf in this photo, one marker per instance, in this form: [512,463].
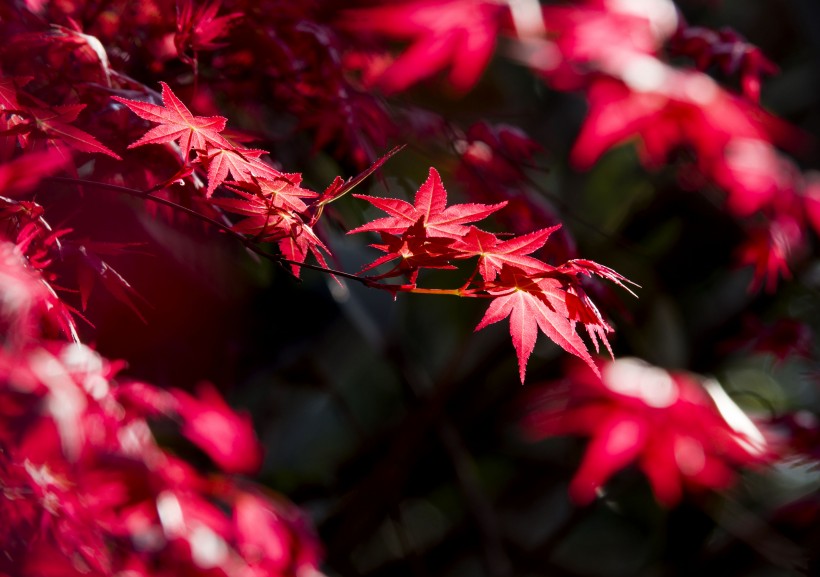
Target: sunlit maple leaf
[533,304]
[242,164]
[431,206]
[415,250]
[754,176]
[299,243]
[282,193]
[584,267]
[593,36]
[494,253]
[579,306]
[176,123]
[270,217]
[459,34]
[339,187]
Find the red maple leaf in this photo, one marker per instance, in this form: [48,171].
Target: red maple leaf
[431,206]
[270,217]
[176,123]
[281,193]
[579,306]
[533,304]
[299,242]
[415,250]
[242,164]
[578,267]
[493,253]
[339,187]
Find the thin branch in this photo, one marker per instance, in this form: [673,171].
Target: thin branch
[251,244]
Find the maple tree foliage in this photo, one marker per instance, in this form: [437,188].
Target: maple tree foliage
[227,136]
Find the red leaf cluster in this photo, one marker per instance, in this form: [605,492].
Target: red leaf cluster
[534,294]
[682,432]
[88,490]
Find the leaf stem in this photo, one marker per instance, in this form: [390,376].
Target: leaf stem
[459,292]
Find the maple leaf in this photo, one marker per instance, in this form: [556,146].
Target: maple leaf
[270,218]
[754,175]
[533,304]
[340,187]
[29,302]
[607,36]
[431,206]
[300,241]
[282,193]
[242,164]
[176,123]
[579,306]
[493,253]
[73,35]
[581,266]
[416,250]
